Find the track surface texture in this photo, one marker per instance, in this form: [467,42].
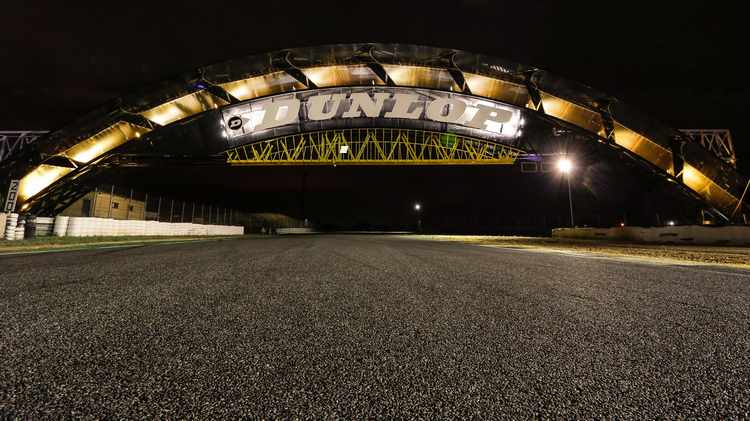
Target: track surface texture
[368,326]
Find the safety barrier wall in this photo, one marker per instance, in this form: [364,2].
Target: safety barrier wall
[686,234]
[88,227]
[60,226]
[284,231]
[11,228]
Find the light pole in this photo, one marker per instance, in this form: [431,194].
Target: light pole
[418,210]
[566,167]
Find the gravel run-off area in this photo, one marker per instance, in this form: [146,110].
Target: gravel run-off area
[718,255]
[356,327]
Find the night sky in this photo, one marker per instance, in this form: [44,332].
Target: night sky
[683,64]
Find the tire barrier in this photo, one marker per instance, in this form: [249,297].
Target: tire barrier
[10,226]
[44,226]
[20,230]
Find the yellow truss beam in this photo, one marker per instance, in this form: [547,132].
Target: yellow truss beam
[363,146]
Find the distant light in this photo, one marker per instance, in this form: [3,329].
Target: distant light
[417,207]
[343,149]
[565,165]
[137,134]
[622,224]
[670,223]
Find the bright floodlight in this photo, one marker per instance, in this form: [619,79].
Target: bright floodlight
[564,165]
[670,223]
[417,207]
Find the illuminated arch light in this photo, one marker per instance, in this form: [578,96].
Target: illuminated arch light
[695,179]
[258,86]
[497,89]
[706,188]
[422,77]
[39,179]
[340,75]
[643,147]
[572,113]
[104,141]
[183,107]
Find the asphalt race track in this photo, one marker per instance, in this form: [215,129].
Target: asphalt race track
[368,326]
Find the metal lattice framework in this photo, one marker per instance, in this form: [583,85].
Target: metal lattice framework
[12,142]
[366,146]
[718,141]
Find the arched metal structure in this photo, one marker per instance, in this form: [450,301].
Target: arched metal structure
[221,108]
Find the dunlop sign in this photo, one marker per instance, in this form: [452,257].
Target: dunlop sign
[384,103]
[10,201]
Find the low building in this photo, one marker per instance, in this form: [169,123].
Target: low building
[106,205]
